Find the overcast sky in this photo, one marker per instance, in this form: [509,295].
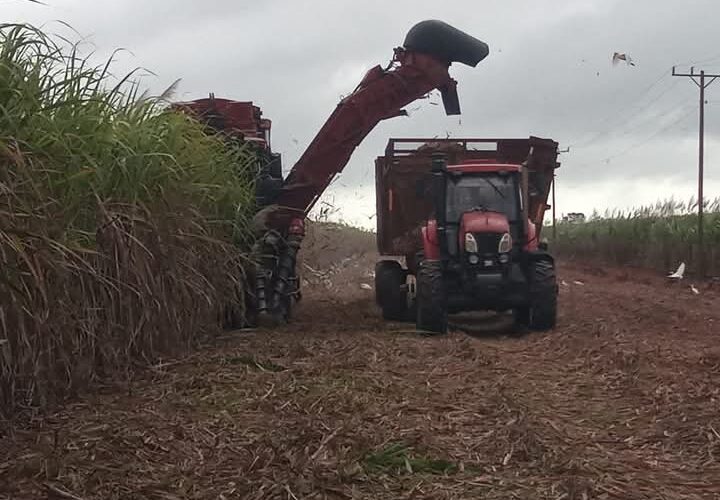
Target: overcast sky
[632,131]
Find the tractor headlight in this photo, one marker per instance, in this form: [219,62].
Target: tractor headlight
[471,245]
[505,243]
[474,259]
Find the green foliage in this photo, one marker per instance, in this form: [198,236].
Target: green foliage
[397,458]
[657,236]
[123,225]
[93,142]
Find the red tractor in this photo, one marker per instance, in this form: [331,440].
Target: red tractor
[466,214]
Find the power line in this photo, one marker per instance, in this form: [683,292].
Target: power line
[638,97]
[675,107]
[638,144]
[706,61]
[648,139]
[603,133]
[678,105]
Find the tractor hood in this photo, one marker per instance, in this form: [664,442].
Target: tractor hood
[483,222]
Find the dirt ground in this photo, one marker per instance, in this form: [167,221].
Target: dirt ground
[621,401]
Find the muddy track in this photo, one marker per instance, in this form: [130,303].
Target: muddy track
[621,401]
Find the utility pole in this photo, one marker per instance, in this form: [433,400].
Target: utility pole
[702,84]
[554,226]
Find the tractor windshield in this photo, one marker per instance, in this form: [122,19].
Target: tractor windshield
[490,192]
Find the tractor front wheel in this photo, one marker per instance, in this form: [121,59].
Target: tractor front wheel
[431,302]
[543,292]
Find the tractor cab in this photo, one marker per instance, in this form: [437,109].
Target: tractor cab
[483,212]
[480,217]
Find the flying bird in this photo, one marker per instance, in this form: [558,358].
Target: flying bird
[617,57]
[679,274]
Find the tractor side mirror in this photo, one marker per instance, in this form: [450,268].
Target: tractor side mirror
[420,189]
[439,162]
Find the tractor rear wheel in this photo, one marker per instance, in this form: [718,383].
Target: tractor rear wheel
[390,293]
[543,293]
[431,301]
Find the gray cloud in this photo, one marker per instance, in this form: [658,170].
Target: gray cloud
[549,72]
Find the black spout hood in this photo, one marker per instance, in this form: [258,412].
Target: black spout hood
[449,44]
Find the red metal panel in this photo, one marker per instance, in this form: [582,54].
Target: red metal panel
[238,118]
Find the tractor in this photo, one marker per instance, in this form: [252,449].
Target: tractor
[466,215]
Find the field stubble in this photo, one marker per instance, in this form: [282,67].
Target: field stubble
[619,402]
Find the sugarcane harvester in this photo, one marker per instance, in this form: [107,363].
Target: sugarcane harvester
[418,67]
